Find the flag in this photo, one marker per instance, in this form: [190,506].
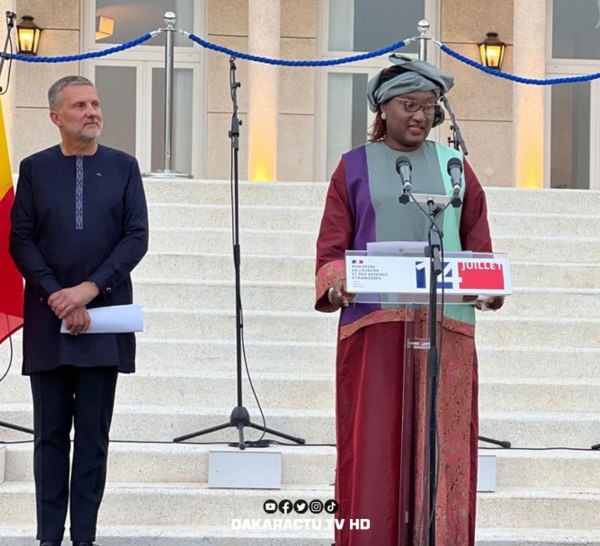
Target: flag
[11,282]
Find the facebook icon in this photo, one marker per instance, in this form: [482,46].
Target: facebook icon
[285,506]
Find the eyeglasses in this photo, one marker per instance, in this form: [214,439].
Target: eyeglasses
[411,106]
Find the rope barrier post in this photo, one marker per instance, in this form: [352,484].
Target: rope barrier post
[423,26]
[170,30]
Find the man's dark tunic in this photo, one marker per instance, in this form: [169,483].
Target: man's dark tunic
[77,218]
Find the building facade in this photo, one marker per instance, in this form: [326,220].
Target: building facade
[296,121]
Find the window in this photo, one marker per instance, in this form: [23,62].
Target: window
[573,113]
[358,26]
[131,82]
[570,136]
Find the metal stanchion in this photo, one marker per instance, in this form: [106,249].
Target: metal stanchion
[423,27]
[169,31]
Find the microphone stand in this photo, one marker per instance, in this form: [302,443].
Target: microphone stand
[433,364]
[457,140]
[10,23]
[432,251]
[240,417]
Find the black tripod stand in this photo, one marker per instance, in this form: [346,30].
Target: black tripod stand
[10,23]
[3,423]
[499,443]
[15,427]
[240,417]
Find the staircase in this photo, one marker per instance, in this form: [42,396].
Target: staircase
[539,373]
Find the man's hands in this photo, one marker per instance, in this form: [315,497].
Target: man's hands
[78,321]
[69,304]
[338,296]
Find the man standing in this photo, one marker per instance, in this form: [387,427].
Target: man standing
[79,227]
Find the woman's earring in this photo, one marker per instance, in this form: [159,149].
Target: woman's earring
[383,115]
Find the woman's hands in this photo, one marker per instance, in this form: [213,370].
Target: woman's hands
[338,296]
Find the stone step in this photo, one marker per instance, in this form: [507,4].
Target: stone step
[551,249]
[289,218]
[322,327]
[190,355]
[521,395]
[538,469]
[542,429]
[218,192]
[177,504]
[544,201]
[187,356]
[282,296]
[316,391]
[553,302]
[303,243]
[152,423]
[542,224]
[173,265]
[188,463]
[547,508]
[209,294]
[164,535]
[191,504]
[566,362]
[312,194]
[546,332]
[258,325]
[538,537]
[218,241]
[184,463]
[251,217]
[291,390]
[186,535]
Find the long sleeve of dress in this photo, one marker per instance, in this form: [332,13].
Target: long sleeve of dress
[474,227]
[23,248]
[335,237]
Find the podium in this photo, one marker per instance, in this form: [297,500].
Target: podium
[397,275]
[402,276]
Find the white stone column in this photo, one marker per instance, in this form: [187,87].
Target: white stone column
[263,107]
[528,100]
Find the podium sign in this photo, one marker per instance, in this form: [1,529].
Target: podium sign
[463,274]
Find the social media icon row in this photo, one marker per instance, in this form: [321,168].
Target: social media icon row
[300,506]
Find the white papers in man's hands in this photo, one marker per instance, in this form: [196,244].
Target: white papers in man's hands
[115,319]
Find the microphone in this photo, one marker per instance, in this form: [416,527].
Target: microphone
[404,168]
[455,169]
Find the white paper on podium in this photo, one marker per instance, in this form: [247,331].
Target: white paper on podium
[115,319]
[396,247]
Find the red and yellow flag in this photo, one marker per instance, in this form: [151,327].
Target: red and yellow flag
[11,282]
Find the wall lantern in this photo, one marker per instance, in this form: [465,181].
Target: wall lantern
[105,27]
[492,51]
[28,36]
